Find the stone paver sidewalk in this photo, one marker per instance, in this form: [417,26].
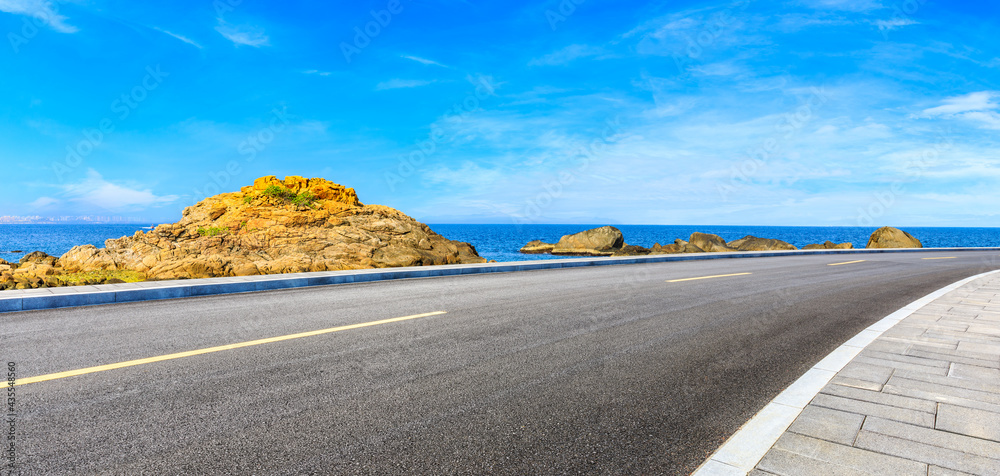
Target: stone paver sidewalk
[922,399]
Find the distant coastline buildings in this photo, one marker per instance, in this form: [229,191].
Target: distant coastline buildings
[69,220]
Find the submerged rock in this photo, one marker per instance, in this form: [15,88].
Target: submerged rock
[889,237]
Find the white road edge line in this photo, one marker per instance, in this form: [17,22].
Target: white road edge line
[741,452]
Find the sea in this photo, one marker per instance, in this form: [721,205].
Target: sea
[502,242]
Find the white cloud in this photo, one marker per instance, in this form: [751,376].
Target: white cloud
[894,24]
[182,38]
[44,202]
[44,10]
[568,54]
[94,191]
[243,35]
[424,61]
[979,107]
[979,101]
[402,83]
[987,120]
[317,72]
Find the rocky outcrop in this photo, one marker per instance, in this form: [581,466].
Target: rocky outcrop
[889,237]
[752,243]
[829,245]
[662,250]
[537,247]
[276,226]
[603,241]
[273,226]
[708,242]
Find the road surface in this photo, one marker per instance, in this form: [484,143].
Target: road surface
[633,369]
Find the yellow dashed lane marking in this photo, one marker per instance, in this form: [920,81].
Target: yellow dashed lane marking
[707,277]
[847,262]
[209,350]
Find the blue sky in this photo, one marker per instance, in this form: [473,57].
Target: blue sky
[799,112]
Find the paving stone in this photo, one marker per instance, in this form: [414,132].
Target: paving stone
[953,390]
[974,372]
[867,408]
[954,358]
[889,346]
[826,424]
[798,454]
[924,453]
[923,341]
[964,337]
[881,398]
[907,359]
[980,386]
[925,394]
[988,349]
[969,421]
[930,436]
[871,373]
[758,472]
[902,365]
[856,383]
[939,471]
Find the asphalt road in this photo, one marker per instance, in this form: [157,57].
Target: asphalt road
[604,370]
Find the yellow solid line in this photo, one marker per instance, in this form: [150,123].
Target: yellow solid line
[209,350]
[707,277]
[946,257]
[848,262]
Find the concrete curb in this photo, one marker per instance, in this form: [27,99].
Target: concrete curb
[53,298]
[741,453]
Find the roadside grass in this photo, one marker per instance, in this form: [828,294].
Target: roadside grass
[79,279]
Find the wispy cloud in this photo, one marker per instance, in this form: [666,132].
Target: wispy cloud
[424,61]
[978,101]
[979,107]
[243,35]
[316,72]
[96,192]
[182,38]
[568,54]
[403,83]
[45,10]
[895,23]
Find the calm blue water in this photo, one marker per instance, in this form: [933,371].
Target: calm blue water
[56,240]
[501,242]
